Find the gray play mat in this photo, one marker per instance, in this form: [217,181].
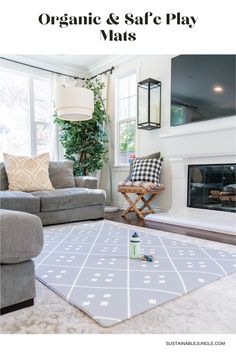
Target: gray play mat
[88,265]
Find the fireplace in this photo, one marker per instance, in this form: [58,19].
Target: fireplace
[212,186]
[202,144]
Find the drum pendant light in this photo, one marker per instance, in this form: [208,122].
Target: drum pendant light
[74,103]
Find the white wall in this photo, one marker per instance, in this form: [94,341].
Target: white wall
[147,142]
[157,67]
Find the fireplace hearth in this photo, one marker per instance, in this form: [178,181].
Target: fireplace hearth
[212,186]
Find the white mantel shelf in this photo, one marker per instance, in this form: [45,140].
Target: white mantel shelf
[210,138]
[199,128]
[210,142]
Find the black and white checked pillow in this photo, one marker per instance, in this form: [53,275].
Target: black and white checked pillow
[146,170]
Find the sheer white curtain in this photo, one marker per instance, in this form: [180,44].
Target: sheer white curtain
[105,181]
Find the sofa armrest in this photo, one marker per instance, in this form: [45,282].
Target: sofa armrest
[21,236]
[86,182]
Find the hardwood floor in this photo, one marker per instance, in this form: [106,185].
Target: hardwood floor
[204,234]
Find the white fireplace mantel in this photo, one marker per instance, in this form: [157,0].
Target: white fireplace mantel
[198,143]
[209,138]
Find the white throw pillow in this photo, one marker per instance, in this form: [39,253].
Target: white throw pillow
[28,174]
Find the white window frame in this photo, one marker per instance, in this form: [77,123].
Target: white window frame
[118,121]
[31,74]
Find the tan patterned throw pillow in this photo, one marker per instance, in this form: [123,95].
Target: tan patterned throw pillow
[28,174]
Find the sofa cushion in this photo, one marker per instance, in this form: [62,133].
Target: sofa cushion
[20,201]
[21,236]
[3,177]
[28,174]
[69,198]
[61,174]
[86,182]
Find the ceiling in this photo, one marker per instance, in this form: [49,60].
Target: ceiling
[78,65]
[71,64]
[75,65]
[80,62]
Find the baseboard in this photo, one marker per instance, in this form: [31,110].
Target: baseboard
[17,306]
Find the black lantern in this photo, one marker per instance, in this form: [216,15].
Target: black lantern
[149,104]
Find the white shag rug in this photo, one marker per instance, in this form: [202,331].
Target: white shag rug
[211,309]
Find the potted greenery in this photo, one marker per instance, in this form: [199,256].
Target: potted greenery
[86,143]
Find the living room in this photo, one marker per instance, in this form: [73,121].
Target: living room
[114,252]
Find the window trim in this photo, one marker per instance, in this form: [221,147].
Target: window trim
[118,121]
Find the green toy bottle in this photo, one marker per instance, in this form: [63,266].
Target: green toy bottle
[134,246]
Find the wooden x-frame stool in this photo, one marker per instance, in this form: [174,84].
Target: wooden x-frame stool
[141,192]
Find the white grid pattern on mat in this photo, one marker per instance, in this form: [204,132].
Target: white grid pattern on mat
[88,264]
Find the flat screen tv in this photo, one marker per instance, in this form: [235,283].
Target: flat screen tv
[202,88]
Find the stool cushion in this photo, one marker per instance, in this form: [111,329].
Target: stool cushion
[139,187]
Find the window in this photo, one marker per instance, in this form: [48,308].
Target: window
[25,113]
[126,118]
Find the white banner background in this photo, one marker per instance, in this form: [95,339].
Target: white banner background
[21,33]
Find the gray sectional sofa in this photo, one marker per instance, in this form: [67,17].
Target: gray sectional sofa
[21,239]
[21,236]
[73,199]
